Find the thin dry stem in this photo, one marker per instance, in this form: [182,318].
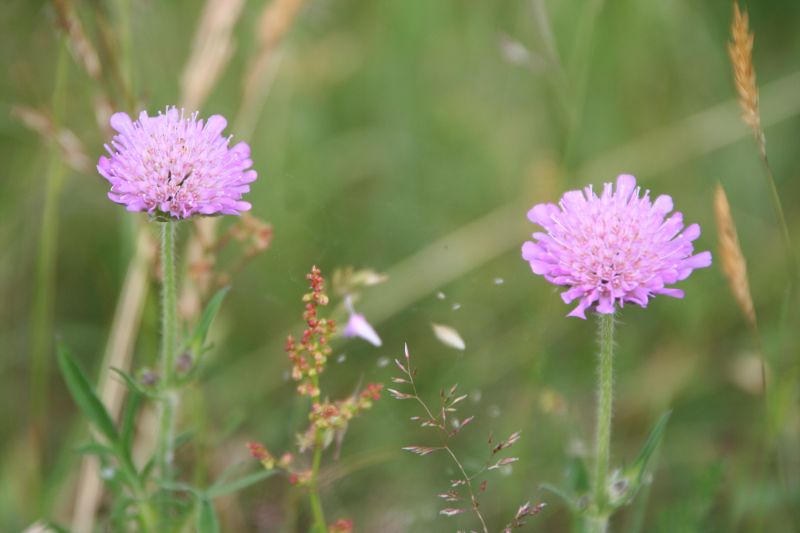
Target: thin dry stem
[71,147]
[734,266]
[275,20]
[79,44]
[212,48]
[740,49]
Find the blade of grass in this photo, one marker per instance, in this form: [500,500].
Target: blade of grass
[44,277]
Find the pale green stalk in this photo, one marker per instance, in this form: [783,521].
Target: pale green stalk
[320,525]
[44,273]
[598,521]
[169,332]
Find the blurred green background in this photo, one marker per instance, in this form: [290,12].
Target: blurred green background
[411,137]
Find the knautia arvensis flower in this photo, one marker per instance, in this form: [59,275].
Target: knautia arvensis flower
[613,248]
[175,166]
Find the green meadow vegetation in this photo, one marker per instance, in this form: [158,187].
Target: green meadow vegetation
[399,145]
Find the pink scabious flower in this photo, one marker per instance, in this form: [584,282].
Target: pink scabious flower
[614,248]
[171,165]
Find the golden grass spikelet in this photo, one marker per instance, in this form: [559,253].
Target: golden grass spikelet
[734,266]
[740,49]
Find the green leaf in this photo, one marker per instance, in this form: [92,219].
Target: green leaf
[96,448]
[207,521]
[637,469]
[128,424]
[577,475]
[183,438]
[120,510]
[84,396]
[231,470]
[198,337]
[177,486]
[216,490]
[563,496]
[148,468]
[57,528]
[132,383]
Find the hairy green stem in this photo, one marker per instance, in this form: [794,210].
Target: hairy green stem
[169,333]
[605,393]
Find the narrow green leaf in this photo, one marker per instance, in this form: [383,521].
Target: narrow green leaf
[577,475]
[231,470]
[128,423]
[637,469]
[177,486]
[96,448]
[148,468]
[120,510]
[198,337]
[563,496]
[84,396]
[183,438]
[132,383]
[218,490]
[57,528]
[207,521]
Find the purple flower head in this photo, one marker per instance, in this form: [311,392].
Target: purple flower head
[357,326]
[175,166]
[614,248]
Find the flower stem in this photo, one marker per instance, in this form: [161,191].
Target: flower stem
[316,504]
[605,393]
[320,525]
[169,332]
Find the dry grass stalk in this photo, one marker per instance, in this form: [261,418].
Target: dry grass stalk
[211,49]
[740,49]
[734,265]
[79,43]
[86,55]
[275,21]
[69,144]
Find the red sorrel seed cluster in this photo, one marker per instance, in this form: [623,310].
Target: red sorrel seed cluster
[336,415]
[311,353]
